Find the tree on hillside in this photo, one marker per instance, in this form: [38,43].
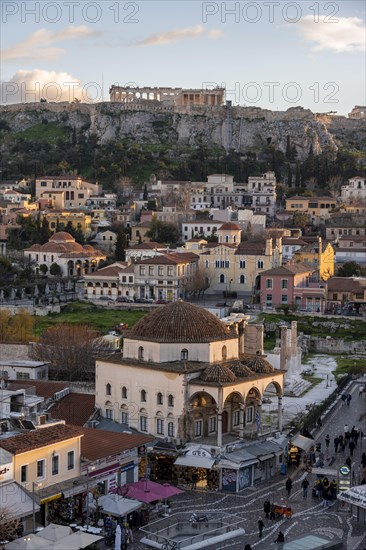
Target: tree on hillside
[71,351]
[120,247]
[350,269]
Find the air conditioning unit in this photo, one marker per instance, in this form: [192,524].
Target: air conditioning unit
[177,441]
[93,423]
[168,440]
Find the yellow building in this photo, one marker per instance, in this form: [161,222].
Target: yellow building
[318,254]
[316,206]
[59,219]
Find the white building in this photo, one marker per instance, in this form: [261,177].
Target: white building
[263,191]
[355,191]
[184,375]
[62,249]
[200,228]
[23,370]
[76,191]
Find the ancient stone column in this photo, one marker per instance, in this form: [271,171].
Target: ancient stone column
[283,353]
[219,429]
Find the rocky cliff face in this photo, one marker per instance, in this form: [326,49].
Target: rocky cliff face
[239,128]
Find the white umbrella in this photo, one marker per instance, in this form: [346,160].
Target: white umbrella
[36,291]
[47,289]
[80,539]
[58,288]
[117,505]
[54,532]
[117,540]
[30,542]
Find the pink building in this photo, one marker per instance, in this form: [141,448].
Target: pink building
[293,284]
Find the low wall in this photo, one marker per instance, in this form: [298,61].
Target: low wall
[314,344]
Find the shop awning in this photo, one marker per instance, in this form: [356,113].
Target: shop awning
[304,443]
[266,457]
[15,499]
[195,461]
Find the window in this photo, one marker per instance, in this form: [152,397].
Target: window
[143,395]
[108,389]
[159,398]
[242,264]
[170,400]
[141,352]
[269,299]
[143,423]
[184,355]
[284,298]
[212,424]
[242,279]
[70,460]
[222,279]
[170,271]
[142,270]
[124,418]
[249,414]
[284,283]
[236,418]
[160,426]
[171,429]
[24,473]
[151,270]
[109,414]
[40,468]
[224,353]
[260,264]
[269,283]
[124,392]
[55,465]
[198,428]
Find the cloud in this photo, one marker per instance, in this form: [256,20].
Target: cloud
[38,45]
[31,86]
[178,34]
[348,34]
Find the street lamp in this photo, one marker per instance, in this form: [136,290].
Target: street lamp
[34,485]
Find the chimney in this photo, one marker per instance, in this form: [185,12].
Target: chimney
[269,250]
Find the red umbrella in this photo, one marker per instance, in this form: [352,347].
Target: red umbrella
[148,491]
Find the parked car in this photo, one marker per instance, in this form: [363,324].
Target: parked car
[104,298]
[161,301]
[143,301]
[124,299]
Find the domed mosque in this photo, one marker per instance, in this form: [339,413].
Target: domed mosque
[183,376]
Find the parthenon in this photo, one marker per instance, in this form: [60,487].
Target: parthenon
[168,96]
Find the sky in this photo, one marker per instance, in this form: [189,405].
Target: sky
[269,54]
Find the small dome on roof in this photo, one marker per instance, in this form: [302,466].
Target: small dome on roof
[230,226]
[240,370]
[61,237]
[218,374]
[258,364]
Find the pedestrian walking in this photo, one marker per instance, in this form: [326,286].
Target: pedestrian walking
[363,460]
[267,508]
[272,513]
[346,429]
[351,447]
[327,441]
[288,486]
[349,462]
[319,422]
[344,398]
[305,485]
[343,444]
[336,443]
[247,547]
[260,527]
[349,397]
[194,480]
[280,537]
[360,391]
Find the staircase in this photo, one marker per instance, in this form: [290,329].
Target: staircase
[297,388]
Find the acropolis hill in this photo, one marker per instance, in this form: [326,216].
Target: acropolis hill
[231,127]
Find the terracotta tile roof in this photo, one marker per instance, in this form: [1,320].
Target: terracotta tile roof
[97,444]
[74,408]
[343,284]
[251,249]
[171,259]
[42,437]
[229,226]
[293,240]
[148,246]
[44,389]
[180,322]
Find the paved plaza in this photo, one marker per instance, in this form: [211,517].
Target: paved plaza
[309,515]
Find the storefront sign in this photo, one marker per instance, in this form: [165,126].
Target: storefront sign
[201,453]
[129,466]
[49,499]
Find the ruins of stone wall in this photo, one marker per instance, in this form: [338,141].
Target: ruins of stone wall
[314,344]
[253,339]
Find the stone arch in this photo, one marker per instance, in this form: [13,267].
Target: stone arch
[231,407]
[277,387]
